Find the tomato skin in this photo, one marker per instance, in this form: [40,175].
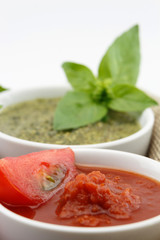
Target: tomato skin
[9,194]
[19,176]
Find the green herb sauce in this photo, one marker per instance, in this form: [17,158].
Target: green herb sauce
[33,120]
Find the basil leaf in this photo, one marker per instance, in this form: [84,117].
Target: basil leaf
[128,98]
[80,77]
[77,109]
[121,61]
[2,89]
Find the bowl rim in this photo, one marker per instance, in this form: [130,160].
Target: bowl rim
[147,126]
[87,230]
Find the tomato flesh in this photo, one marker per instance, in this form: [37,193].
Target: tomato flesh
[34,178]
[91,199]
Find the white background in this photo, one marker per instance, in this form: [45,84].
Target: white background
[37,36]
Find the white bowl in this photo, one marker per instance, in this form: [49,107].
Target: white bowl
[11,146]
[15,227]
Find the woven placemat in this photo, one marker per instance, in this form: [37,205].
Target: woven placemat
[154,147]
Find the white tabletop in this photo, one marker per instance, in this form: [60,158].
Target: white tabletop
[37,36]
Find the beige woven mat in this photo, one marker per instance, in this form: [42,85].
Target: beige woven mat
[154,148]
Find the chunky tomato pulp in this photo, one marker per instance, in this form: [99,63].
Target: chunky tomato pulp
[99,197]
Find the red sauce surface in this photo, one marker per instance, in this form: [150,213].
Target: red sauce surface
[106,198]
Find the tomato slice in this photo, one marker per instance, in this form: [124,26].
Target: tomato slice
[34,178]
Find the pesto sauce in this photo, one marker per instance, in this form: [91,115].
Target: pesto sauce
[33,121]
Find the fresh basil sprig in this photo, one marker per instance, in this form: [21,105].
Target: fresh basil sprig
[114,88]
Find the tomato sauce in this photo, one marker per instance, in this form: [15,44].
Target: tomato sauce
[105,197]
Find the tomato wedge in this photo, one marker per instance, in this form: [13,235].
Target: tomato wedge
[34,178]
